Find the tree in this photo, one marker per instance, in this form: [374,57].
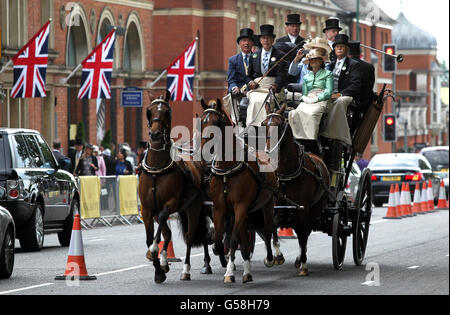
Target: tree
[444,76]
[107,140]
[80,132]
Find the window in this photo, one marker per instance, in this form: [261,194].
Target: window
[34,150]
[412,81]
[424,165]
[20,156]
[47,153]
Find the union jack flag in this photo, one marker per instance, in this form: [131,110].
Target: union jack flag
[30,66]
[180,75]
[97,70]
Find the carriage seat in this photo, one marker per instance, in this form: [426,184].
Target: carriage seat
[293,94]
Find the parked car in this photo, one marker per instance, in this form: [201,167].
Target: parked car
[41,197]
[438,158]
[351,189]
[7,242]
[396,168]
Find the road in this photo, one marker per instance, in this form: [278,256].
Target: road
[407,256]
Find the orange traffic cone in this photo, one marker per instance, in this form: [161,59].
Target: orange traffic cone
[286,234]
[392,210]
[416,204]
[430,197]
[76,266]
[424,199]
[442,203]
[397,200]
[403,206]
[170,252]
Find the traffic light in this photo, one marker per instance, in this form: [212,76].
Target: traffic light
[389,128]
[389,61]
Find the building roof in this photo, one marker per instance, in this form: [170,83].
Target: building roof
[366,8]
[408,36]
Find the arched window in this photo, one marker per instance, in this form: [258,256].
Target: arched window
[133,55]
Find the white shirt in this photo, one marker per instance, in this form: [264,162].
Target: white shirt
[292,38]
[330,43]
[263,52]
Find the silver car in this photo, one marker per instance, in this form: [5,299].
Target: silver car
[7,241]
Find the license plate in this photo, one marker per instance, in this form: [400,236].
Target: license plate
[392,178]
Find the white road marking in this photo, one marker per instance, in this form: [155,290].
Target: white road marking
[27,288]
[368,283]
[120,270]
[97,240]
[413,267]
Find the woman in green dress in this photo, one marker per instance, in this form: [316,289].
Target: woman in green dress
[317,91]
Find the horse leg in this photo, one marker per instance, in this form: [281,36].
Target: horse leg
[268,231]
[167,234]
[160,275]
[186,275]
[241,235]
[206,270]
[279,258]
[300,262]
[149,230]
[229,274]
[218,248]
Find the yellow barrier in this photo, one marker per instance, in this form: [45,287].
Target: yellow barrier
[128,195]
[90,197]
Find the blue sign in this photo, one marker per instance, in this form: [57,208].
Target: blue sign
[131,97]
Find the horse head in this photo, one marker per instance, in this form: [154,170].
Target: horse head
[159,116]
[274,119]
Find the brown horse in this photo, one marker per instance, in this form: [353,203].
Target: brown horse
[304,179]
[240,192]
[167,186]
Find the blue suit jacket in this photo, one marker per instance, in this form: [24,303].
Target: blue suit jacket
[236,72]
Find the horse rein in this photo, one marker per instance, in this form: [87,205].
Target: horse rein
[284,126]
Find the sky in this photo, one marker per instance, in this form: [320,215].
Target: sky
[431,16]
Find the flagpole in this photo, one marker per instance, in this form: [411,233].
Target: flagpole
[64,80]
[6,66]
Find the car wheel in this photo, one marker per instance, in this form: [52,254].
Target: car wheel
[7,255]
[33,233]
[65,235]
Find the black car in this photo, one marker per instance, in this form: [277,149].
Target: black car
[39,194]
[7,240]
[398,168]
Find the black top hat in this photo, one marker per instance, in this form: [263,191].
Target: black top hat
[267,30]
[245,33]
[332,23]
[355,48]
[341,39]
[293,19]
[79,142]
[256,41]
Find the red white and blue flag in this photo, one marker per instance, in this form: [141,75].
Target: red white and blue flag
[30,66]
[180,75]
[97,70]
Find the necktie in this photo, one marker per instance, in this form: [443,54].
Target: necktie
[266,61]
[338,67]
[246,60]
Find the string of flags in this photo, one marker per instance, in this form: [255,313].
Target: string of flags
[30,67]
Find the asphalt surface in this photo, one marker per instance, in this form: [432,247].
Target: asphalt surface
[404,257]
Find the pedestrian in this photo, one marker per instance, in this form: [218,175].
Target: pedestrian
[101,162]
[75,155]
[362,163]
[110,163]
[88,165]
[123,166]
[63,161]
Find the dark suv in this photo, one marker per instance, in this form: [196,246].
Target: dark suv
[39,194]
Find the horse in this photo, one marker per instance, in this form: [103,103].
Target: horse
[241,194]
[167,186]
[304,179]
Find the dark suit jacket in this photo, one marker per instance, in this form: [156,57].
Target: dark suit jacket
[290,78]
[61,160]
[367,82]
[279,72]
[287,39]
[236,71]
[349,79]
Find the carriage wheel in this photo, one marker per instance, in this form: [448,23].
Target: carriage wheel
[361,219]
[339,240]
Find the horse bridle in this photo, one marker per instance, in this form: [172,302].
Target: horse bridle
[284,126]
[205,116]
[165,126]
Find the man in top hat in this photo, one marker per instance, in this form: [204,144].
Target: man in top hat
[332,29]
[347,84]
[293,30]
[260,79]
[367,72]
[75,155]
[238,70]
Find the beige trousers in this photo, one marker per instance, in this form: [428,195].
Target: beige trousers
[336,125]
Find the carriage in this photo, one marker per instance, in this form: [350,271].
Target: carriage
[344,217]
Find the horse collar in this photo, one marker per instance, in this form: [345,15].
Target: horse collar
[156,170]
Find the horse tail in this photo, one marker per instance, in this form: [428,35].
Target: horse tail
[202,232]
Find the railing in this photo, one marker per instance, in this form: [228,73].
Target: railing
[108,199]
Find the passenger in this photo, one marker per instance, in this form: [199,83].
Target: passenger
[317,90]
[258,71]
[331,30]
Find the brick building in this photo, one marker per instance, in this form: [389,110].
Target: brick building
[154,33]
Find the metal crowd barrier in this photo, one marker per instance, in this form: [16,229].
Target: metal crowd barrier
[109,199]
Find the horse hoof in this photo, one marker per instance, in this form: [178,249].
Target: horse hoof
[228,279]
[160,277]
[165,268]
[151,256]
[279,260]
[267,263]
[247,278]
[206,270]
[297,264]
[185,277]
[303,273]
